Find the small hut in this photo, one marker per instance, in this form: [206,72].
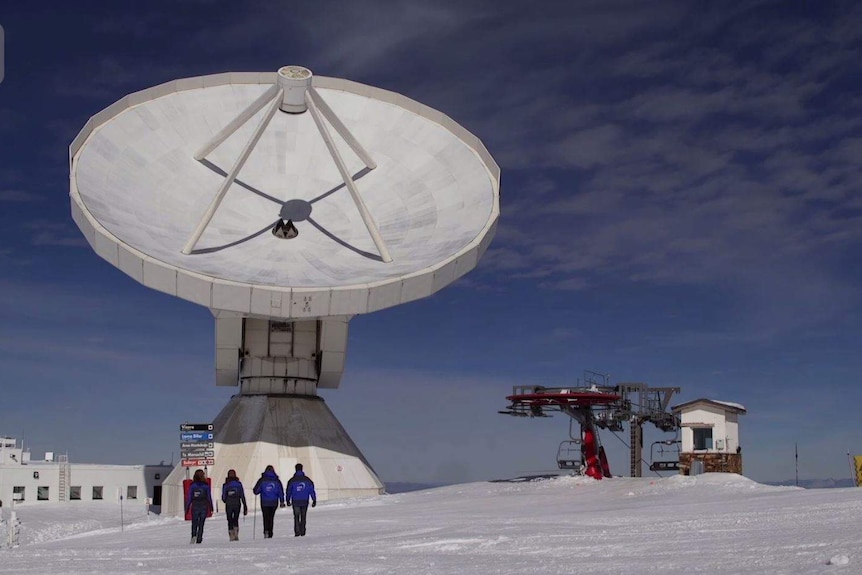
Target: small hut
[710,436]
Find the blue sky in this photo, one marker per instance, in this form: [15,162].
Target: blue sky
[680,206]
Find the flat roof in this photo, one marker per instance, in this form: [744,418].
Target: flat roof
[726,405]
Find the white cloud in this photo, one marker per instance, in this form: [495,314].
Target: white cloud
[49,233]
[18,196]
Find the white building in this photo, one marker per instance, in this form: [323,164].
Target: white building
[24,481]
[710,436]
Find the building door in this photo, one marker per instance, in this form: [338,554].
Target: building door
[157,495]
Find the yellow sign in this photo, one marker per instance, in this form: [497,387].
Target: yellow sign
[858,459]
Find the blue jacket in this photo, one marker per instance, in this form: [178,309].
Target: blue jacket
[269,488]
[232,493]
[300,489]
[200,497]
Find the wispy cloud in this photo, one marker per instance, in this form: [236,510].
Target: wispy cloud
[111,78]
[726,167]
[50,233]
[703,150]
[18,196]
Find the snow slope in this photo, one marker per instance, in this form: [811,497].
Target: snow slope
[713,524]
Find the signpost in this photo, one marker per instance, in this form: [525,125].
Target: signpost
[197,449]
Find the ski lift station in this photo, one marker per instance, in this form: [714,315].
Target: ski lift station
[596,404]
[25,481]
[706,432]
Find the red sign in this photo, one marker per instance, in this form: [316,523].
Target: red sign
[197,462]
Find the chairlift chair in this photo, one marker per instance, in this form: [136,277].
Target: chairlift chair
[569,455]
[667,446]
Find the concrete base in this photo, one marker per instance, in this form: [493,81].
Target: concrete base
[254,431]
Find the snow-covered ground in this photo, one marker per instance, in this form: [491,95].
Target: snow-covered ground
[712,524]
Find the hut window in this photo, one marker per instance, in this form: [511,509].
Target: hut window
[702,438]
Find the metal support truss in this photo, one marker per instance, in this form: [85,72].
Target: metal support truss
[320,110]
[631,403]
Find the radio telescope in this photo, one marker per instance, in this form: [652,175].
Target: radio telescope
[286,203]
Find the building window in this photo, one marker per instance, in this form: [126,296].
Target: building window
[18,493]
[75,493]
[42,493]
[97,492]
[132,492]
[702,438]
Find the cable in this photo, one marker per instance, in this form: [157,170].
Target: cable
[629,448]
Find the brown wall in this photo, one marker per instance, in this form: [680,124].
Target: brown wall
[712,462]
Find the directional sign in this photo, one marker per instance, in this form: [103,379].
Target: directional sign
[197,454]
[197,462]
[196,427]
[196,436]
[198,445]
[197,449]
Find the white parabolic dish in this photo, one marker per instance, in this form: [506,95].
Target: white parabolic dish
[138,193]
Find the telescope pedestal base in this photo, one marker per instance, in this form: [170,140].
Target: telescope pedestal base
[254,431]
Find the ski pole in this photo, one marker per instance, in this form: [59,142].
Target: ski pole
[254,519]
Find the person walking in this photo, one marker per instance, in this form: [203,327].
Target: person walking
[271,497]
[200,501]
[232,495]
[300,488]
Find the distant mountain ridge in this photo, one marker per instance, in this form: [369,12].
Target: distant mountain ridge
[815,483]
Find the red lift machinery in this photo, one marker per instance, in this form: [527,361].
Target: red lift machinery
[598,405]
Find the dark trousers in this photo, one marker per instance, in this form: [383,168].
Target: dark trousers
[232,512]
[268,517]
[199,515]
[299,512]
